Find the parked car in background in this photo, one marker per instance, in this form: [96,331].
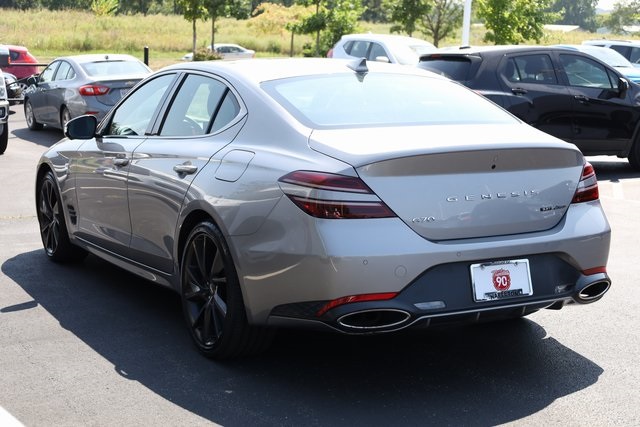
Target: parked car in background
[630,49]
[14,89]
[381,47]
[227,51]
[566,93]
[346,196]
[609,57]
[21,55]
[72,86]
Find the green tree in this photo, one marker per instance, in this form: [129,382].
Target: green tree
[331,17]
[407,14]
[576,12]
[192,10]
[341,19]
[514,21]
[623,13]
[216,9]
[444,17]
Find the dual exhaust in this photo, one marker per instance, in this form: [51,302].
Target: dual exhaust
[586,291]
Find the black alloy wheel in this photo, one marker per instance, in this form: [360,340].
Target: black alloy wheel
[53,229]
[211,298]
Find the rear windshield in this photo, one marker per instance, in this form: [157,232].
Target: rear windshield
[111,68]
[454,68]
[381,99]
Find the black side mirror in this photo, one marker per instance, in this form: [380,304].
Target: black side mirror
[623,87]
[33,80]
[83,127]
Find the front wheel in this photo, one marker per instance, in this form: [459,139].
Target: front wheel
[53,229]
[212,300]
[30,117]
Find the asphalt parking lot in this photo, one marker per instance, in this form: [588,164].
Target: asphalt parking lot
[89,344]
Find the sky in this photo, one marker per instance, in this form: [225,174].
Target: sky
[606,4]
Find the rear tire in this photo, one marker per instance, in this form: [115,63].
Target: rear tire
[53,229]
[4,138]
[212,301]
[65,116]
[32,123]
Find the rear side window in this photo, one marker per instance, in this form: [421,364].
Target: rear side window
[531,69]
[455,68]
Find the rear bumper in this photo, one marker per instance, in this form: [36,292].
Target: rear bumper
[444,295]
[286,277]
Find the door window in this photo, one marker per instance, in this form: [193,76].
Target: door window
[133,116]
[376,51]
[47,75]
[201,101]
[584,72]
[65,71]
[531,69]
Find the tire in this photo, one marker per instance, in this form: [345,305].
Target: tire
[32,123]
[53,229]
[634,156]
[212,300]
[4,138]
[65,116]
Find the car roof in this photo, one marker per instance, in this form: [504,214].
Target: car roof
[500,49]
[382,37]
[607,41]
[16,48]
[266,69]
[97,57]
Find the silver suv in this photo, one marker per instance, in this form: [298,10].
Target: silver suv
[630,49]
[4,104]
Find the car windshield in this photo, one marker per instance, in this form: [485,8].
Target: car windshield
[351,100]
[113,68]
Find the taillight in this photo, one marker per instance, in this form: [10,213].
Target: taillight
[355,298]
[93,90]
[588,186]
[332,196]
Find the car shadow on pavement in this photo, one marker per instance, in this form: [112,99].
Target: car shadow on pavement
[485,374]
[45,137]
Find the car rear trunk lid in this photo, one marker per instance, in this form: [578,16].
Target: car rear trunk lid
[480,184]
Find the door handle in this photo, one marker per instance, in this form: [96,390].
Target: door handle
[121,161]
[186,169]
[581,99]
[518,91]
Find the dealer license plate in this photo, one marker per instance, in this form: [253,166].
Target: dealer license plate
[494,281]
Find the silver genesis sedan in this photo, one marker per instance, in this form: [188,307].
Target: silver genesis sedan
[350,196]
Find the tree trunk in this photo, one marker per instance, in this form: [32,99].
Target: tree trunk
[193,24]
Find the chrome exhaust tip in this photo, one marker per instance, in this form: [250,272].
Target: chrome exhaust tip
[370,320]
[592,291]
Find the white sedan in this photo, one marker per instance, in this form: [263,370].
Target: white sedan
[227,51]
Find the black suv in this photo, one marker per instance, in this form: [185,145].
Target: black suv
[568,94]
